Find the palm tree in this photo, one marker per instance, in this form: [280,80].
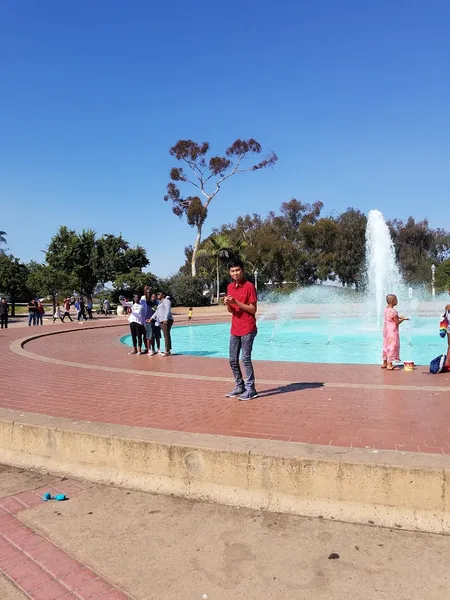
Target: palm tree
[220,247]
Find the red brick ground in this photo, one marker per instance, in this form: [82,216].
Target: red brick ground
[38,567]
[340,405]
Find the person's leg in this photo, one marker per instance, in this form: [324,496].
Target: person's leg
[30,319]
[247,346]
[34,319]
[133,337]
[6,322]
[235,348]
[2,321]
[165,331]
[68,314]
[140,335]
[156,338]
[169,336]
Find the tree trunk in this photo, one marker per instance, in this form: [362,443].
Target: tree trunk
[13,305]
[218,280]
[195,250]
[54,302]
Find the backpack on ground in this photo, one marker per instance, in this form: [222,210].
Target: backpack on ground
[437,365]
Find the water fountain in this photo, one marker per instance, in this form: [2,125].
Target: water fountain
[329,324]
[382,272]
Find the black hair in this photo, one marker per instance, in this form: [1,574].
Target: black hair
[236,262]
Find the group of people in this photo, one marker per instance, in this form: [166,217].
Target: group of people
[36,311]
[150,316]
[391,333]
[83,309]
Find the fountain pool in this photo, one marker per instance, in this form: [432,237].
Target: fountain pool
[339,335]
[347,341]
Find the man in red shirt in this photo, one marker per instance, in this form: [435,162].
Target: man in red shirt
[241,301]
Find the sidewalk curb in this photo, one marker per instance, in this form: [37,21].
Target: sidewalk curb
[388,489]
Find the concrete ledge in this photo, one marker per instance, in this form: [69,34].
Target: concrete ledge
[389,489]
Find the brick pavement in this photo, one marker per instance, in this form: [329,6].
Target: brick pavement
[88,375]
[38,567]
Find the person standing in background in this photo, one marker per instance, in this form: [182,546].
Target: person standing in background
[32,309]
[40,311]
[4,311]
[89,308]
[66,304]
[163,315]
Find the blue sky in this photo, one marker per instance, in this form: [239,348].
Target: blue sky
[353,96]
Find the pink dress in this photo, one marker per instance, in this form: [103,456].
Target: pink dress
[391,336]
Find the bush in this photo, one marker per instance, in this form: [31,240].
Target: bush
[186,290]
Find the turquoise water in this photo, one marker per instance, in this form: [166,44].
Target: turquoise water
[348,341]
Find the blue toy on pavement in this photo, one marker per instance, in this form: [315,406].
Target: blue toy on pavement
[59,497]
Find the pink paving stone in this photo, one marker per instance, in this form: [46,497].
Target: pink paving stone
[40,552]
[5,547]
[28,575]
[12,505]
[78,577]
[29,498]
[69,488]
[52,591]
[94,589]
[9,523]
[22,536]
[58,563]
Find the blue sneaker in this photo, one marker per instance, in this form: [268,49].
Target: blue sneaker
[248,395]
[235,393]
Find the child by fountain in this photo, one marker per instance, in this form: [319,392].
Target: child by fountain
[391,335]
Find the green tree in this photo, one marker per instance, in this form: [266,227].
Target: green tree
[91,261]
[414,247]
[44,280]
[207,176]
[186,290]
[132,282]
[13,279]
[350,247]
[443,276]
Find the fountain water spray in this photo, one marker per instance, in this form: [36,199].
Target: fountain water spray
[382,273]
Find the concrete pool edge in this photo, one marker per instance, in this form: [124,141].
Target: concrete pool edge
[408,491]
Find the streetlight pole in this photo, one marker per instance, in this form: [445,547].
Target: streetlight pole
[433,280]
[256,279]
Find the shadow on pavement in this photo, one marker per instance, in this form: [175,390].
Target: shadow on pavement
[291,387]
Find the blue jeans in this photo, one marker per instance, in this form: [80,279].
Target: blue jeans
[244,342]
[32,318]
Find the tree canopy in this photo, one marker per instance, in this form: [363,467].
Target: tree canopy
[301,246]
[207,175]
[89,260]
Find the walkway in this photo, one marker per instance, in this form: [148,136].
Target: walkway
[83,372]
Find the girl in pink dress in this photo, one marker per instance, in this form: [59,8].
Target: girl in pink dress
[391,336]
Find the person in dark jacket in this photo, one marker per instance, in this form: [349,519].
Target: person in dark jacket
[4,309]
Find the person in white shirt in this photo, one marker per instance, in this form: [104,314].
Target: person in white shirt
[163,315]
[137,322]
[58,314]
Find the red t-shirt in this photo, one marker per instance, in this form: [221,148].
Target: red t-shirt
[242,322]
